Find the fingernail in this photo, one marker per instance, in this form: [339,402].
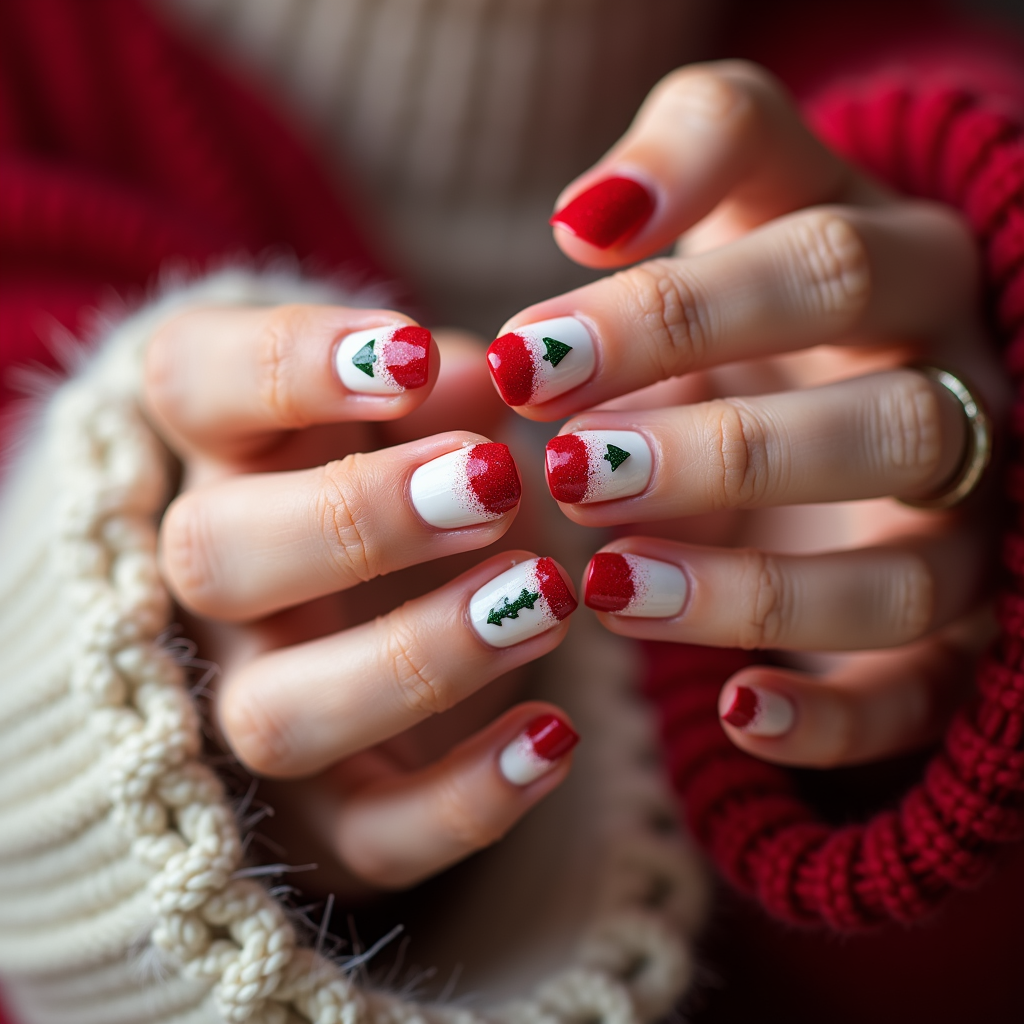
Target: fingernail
[463,488]
[525,601]
[632,585]
[539,361]
[597,465]
[536,750]
[759,712]
[608,213]
[384,360]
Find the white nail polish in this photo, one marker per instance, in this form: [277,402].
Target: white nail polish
[473,485]
[759,712]
[597,465]
[539,361]
[384,360]
[536,750]
[523,602]
[631,585]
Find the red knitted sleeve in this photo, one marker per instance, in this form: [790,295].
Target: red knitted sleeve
[953,145]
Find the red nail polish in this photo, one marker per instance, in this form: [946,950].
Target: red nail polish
[743,708]
[609,586]
[608,213]
[511,366]
[537,749]
[553,589]
[407,356]
[567,466]
[493,477]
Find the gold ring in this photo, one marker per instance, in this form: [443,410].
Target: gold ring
[979,443]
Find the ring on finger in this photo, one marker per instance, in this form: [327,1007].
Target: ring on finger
[978,451]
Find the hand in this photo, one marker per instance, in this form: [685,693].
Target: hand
[761,372]
[290,503]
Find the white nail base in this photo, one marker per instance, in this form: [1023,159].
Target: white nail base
[521,764]
[659,589]
[440,493]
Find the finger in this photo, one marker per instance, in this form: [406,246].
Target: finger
[226,382]
[293,711]
[888,433]
[818,276]
[240,548]
[871,706]
[462,803]
[706,134]
[867,599]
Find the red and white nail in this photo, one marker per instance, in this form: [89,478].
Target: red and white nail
[523,602]
[384,360]
[540,361]
[597,465]
[757,711]
[473,485]
[631,585]
[536,750]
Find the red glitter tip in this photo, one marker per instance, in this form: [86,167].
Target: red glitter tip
[608,213]
[609,586]
[743,708]
[494,477]
[407,357]
[511,364]
[550,737]
[554,589]
[567,468]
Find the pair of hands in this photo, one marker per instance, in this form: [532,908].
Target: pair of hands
[761,366]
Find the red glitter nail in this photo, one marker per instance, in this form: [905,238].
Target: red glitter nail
[494,477]
[407,357]
[609,586]
[511,366]
[567,467]
[554,589]
[550,737]
[608,213]
[743,708]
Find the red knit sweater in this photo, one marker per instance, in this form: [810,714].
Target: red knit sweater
[122,150]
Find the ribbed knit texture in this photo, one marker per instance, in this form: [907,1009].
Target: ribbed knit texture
[948,145]
[462,119]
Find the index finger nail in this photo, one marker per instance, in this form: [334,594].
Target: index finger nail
[608,213]
[384,360]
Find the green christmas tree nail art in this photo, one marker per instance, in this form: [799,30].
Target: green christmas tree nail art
[616,456]
[556,351]
[365,358]
[511,610]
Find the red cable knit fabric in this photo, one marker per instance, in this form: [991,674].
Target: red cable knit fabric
[947,145]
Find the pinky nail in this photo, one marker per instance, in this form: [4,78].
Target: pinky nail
[608,213]
[759,712]
[631,585]
[536,750]
[384,360]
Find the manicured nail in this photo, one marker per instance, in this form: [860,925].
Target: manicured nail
[608,213]
[597,465]
[466,487]
[539,361]
[384,360]
[632,585]
[536,750]
[523,602]
[759,712]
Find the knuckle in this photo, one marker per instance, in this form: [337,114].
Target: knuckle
[905,429]
[188,554]
[738,448]
[458,818]
[342,515]
[256,733]
[767,603]
[674,311]
[828,267]
[276,353]
[421,688]
[910,601]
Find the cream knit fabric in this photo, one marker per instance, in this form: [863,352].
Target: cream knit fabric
[121,900]
[462,119]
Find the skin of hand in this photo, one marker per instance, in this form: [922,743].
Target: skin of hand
[760,380]
[355,677]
